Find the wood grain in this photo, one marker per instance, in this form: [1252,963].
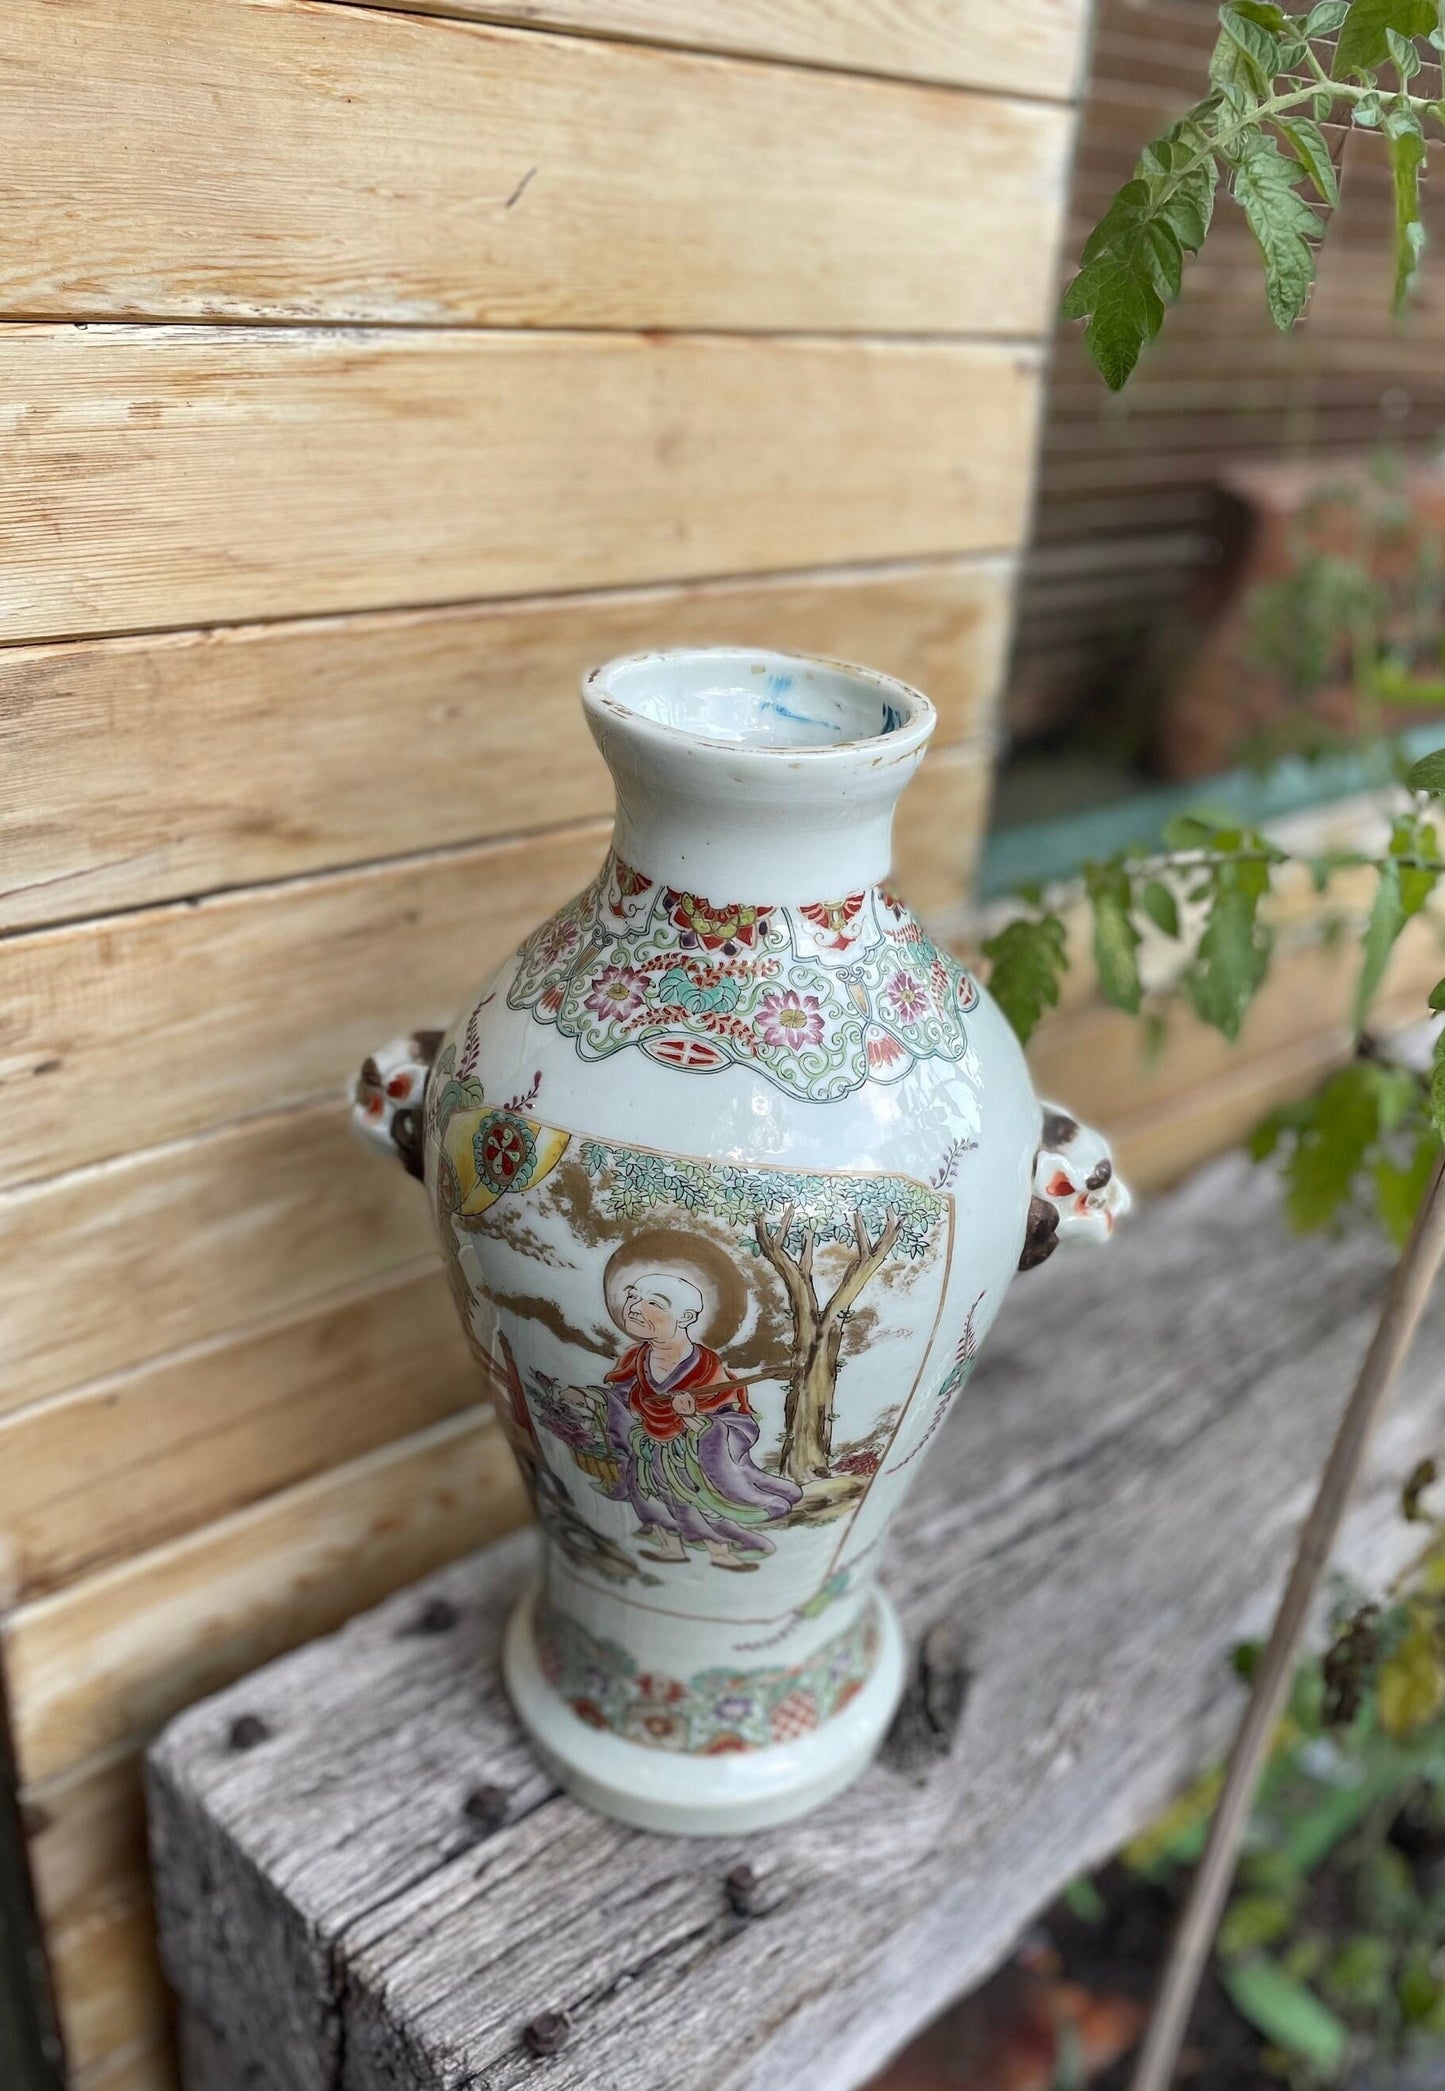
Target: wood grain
[1207,1352]
[1034,47]
[150,2065]
[122,1464]
[940,827]
[253,1000]
[159,767]
[107,1267]
[273,995]
[99,1666]
[311,163]
[110,1993]
[174,476]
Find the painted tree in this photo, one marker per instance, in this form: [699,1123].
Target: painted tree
[791,1220]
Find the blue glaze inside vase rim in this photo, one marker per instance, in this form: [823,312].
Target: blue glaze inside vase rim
[751,701]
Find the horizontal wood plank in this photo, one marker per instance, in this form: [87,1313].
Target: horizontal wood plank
[1031,47]
[110,1266]
[321,1880]
[175,476]
[97,1667]
[110,1994]
[158,767]
[253,1000]
[314,163]
[350,957]
[939,829]
[149,2065]
[124,1463]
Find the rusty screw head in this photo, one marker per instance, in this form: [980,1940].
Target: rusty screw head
[744,1890]
[547,2033]
[246,1731]
[437,1616]
[486,1806]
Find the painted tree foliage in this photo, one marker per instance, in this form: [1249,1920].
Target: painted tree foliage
[826,1242]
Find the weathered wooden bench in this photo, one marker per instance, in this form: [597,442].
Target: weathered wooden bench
[365,1882]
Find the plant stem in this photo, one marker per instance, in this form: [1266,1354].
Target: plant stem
[1399,1317]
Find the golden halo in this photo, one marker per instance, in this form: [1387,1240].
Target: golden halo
[722,1285]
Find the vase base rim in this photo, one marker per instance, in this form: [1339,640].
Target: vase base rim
[679,1792]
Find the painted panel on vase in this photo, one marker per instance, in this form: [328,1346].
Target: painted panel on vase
[819,998]
[701,1365]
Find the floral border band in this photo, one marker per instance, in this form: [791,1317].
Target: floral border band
[819,998]
[714,1712]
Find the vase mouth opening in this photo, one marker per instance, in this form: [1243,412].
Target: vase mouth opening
[760,704]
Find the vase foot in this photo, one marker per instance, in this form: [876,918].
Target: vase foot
[683,1794]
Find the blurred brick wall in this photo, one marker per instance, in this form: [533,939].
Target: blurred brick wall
[1124,517]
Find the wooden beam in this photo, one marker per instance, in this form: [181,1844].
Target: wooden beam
[316,1894]
[1034,47]
[194,475]
[166,766]
[327,165]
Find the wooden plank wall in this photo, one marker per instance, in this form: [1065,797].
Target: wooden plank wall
[366,372]
[1125,522]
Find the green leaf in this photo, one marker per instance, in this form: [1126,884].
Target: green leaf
[1387,919]
[1407,153]
[1287,2013]
[1281,221]
[1252,1921]
[1437,1086]
[1428,774]
[1403,890]
[1364,37]
[1246,54]
[1116,940]
[1325,19]
[1330,1148]
[1437,995]
[1028,959]
[1159,904]
[1264,12]
[1132,263]
[1403,55]
[1083,1900]
[1398,1191]
[1313,154]
[1412,1679]
[1234,949]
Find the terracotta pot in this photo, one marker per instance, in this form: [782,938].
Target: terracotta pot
[731,1168]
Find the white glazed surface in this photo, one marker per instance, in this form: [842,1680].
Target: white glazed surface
[759,780]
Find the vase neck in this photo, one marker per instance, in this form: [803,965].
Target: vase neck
[755,777]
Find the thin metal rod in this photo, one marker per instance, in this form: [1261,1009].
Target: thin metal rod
[1399,1317]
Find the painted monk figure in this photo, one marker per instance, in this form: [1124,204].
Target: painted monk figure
[684,1435]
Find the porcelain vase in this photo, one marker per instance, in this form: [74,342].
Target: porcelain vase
[731,1167]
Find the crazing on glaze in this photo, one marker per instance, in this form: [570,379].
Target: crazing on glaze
[723,1321]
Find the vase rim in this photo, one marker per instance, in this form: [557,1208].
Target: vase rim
[728,700]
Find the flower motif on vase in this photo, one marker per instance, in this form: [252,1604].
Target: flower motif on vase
[715,1711]
[818,998]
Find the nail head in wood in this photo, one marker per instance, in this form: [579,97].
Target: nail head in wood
[744,1891]
[547,2033]
[486,1806]
[438,1616]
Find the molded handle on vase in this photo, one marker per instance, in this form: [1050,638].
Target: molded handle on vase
[1078,1194]
[387,1105]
